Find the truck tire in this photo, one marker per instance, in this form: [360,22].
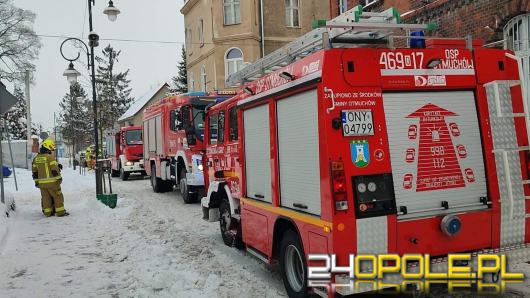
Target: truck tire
[123,175]
[229,226]
[185,190]
[293,265]
[155,181]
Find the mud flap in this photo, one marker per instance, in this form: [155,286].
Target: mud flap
[209,214]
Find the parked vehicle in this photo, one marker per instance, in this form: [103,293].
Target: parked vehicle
[291,165]
[173,137]
[125,150]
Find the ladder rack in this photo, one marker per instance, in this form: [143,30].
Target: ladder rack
[354,28]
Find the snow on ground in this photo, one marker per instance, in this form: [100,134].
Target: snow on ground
[151,245]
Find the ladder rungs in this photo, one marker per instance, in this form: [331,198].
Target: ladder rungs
[525,148]
[513,115]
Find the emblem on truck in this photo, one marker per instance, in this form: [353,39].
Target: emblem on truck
[360,153]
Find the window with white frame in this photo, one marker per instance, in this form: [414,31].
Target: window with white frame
[233,61]
[204,80]
[343,6]
[292,16]
[232,14]
[201,32]
[517,33]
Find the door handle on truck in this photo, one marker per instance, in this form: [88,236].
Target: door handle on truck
[329,90]
[298,205]
[257,195]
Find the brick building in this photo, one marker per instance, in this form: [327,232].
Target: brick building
[484,19]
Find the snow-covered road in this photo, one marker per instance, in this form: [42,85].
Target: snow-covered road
[151,245]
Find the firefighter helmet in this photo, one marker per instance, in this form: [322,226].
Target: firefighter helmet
[49,144]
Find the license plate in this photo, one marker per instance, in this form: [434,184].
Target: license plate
[357,123]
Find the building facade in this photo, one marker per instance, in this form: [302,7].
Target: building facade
[223,35]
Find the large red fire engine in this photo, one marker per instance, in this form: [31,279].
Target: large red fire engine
[125,150]
[366,149]
[173,142]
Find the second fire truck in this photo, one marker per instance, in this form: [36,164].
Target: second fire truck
[125,150]
[173,142]
[370,150]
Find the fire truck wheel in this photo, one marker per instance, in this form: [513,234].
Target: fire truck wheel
[155,182]
[124,176]
[293,265]
[229,226]
[185,190]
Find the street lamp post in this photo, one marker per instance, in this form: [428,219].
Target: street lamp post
[71,73]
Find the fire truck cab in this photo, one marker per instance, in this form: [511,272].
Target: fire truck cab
[173,151]
[125,149]
[370,150]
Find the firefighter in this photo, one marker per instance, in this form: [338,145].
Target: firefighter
[47,175]
[88,157]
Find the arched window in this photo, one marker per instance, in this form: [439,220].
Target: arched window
[233,61]
[516,33]
[517,38]
[204,80]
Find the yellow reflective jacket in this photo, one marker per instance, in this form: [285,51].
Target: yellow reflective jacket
[46,169]
[88,154]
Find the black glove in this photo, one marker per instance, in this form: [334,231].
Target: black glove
[60,167]
[36,184]
[35,175]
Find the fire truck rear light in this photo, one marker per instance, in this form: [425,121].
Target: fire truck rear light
[341,205]
[338,182]
[337,166]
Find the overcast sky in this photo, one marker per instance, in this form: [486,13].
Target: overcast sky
[150,64]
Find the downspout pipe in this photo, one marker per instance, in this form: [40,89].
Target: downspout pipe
[262,23]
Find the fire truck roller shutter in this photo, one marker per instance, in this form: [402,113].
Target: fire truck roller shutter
[159,141]
[442,130]
[298,152]
[152,135]
[257,153]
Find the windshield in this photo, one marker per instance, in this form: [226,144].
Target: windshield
[134,137]
[198,112]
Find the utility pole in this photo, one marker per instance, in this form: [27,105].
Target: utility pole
[29,144]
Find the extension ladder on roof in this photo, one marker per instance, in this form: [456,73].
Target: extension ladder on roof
[350,29]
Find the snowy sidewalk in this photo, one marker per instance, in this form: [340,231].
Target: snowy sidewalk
[151,245]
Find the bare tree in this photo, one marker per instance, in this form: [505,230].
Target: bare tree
[19,45]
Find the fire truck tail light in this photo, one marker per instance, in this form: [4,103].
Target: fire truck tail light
[338,182]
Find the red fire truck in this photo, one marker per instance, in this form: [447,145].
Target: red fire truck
[362,149]
[125,149]
[173,142]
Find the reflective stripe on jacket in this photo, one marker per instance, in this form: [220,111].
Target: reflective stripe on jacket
[46,166]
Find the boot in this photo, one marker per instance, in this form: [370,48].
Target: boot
[61,214]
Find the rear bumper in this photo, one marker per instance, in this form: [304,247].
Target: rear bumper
[515,255]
